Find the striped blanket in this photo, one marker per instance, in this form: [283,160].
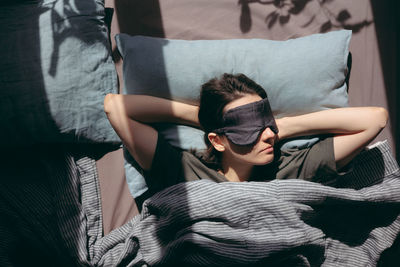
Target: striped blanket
[278,223]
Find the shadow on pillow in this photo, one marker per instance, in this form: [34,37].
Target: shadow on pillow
[56,69]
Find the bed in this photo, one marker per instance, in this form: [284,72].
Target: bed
[65,196]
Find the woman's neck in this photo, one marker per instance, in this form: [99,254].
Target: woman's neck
[238,172]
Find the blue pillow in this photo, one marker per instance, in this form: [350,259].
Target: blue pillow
[56,68]
[300,75]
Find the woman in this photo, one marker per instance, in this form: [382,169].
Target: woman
[241,134]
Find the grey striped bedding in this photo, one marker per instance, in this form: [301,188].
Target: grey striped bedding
[279,223]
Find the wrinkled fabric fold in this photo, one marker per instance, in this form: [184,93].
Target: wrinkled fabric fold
[281,223]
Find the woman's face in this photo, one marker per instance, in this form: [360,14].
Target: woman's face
[260,153]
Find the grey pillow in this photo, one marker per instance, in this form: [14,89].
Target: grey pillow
[55,69]
[300,75]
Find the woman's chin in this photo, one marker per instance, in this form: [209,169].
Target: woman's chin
[265,160]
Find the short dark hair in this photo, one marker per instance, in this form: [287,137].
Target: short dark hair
[215,95]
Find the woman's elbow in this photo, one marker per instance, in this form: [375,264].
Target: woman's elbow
[381,115]
[109,103]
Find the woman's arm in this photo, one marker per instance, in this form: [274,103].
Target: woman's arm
[129,115]
[353,128]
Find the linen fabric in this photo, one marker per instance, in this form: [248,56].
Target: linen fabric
[280,223]
[55,71]
[299,75]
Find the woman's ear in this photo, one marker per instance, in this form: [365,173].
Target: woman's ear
[216,141]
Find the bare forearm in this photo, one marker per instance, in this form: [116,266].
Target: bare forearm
[353,128]
[148,109]
[334,121]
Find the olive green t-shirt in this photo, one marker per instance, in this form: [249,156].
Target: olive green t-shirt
[171,165]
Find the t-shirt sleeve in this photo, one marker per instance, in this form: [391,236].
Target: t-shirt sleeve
[166,168]
[316,163]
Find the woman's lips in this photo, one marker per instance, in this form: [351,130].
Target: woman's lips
[269,149]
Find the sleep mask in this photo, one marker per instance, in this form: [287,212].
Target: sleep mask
[242,125]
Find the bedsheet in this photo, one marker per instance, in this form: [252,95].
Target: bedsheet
[374,44]
[279,223]
[51,213]
[32,203]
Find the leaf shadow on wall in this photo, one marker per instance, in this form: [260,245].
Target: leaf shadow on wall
[286,9]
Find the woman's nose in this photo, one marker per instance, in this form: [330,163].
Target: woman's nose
[267,134]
